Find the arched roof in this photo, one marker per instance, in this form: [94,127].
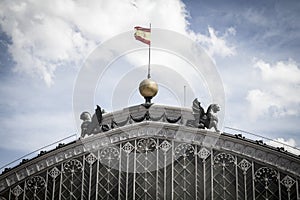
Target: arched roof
[167,127]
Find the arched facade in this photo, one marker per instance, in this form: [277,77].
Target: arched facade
[156,159]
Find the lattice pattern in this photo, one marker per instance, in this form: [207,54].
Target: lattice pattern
[184,169]
[244,165]
[156,168]
[266,186]
[35,186]
[72,178]
[224,176]
[108,173]
[146,162]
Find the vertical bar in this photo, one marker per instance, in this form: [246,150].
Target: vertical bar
[172,171]
[165,175]
[120,172]
[90,181]
[60,181]
[245,184]
[9,195]
[24,192]
[145,175]
[108,173]
[46,188]
[53,189]
[134,169]
[149,76]
[212,173]
[297,189]
[196,171]
[253,183]
[204,178]
[184,178]
[157,167]
[236,178]
[82,178]
[97,174]
[279,186]
[127,167]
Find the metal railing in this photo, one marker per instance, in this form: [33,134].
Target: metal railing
[264,140]
[234,131]
[40,151]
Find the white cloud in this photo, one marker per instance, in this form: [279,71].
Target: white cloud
[278,92]
[33,130]
[217,45]
[289,145]
[49,34]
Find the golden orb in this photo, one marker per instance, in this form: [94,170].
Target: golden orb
[148,88]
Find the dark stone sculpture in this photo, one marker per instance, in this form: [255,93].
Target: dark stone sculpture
[98,112]
[90,124]
[204,119]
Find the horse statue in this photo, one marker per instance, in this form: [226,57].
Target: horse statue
[204,119]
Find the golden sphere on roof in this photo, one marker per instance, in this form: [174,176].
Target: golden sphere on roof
[148,88]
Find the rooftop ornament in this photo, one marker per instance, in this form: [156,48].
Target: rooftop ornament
[204,119]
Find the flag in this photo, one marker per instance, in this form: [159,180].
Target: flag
[142,34]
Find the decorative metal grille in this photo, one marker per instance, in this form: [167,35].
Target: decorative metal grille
[224,176]
[266,186]
[157,168]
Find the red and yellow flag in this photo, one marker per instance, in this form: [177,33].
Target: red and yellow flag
[142,34]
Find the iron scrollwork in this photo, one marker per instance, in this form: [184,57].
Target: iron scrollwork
[36,183]
[73,166]
[223,159]
[109,153]
[265,174]
[146,145]
[184,150]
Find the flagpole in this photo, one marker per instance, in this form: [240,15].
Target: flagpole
[149,76]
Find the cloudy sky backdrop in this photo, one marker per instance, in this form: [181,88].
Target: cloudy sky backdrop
[255,46]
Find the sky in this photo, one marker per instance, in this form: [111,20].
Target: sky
[254,46]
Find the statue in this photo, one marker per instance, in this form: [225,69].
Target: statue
[211,114]
[86,118]
[98,112]
[92,124]
[204,119]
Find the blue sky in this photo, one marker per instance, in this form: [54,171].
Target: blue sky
[255,46]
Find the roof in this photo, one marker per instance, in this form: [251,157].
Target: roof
[160,122]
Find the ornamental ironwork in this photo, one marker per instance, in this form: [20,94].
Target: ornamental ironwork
[203,153]
[54,172]
[224,159]
[265,174]
[184,150]
[73,166]
[146,145]
[91,158]
[17,191]
[288,182]
[157,168]
[165,146]
[128,147]
[36,183]
[244,165]
[109,153]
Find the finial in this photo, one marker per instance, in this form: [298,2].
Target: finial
[148,89]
